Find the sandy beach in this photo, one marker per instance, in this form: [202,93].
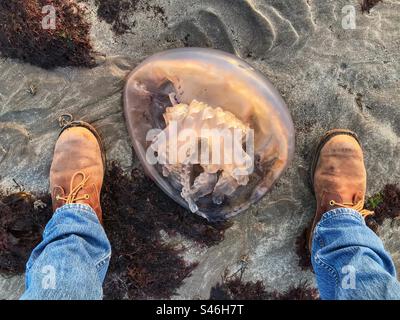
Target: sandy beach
[329,74]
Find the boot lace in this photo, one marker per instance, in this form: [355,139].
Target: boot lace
[359,206]
[73,195]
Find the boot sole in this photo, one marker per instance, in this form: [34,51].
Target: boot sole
[83,124]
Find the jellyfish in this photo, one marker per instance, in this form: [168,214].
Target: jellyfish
[209,129]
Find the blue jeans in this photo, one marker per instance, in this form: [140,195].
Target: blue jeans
[350,261]
[72,260]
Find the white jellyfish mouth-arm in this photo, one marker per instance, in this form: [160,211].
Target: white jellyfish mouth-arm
[204,150]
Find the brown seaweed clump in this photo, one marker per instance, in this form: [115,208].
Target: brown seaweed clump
[22,35]
[367,5]
[385,204]
[142,264]
[302,251]
[118,13]
[22,221]
[233,288]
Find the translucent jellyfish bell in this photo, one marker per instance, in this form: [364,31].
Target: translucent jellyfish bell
[200,88]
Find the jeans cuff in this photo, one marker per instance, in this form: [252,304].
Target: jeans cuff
[341,212]
[76,206]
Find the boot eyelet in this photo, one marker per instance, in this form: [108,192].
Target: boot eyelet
[332,203]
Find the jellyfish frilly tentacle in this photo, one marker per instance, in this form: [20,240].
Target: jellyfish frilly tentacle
[221,81]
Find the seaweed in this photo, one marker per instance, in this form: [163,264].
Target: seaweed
[367,5]
[385,204]
[303,252]
[22,35]
[22,220]
[234,288]
[142,265]
[374,201]
[117,13]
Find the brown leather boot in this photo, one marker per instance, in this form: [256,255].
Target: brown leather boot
[338,175]
[77,171]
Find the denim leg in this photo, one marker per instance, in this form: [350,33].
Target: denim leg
[350,261]
[72,260]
